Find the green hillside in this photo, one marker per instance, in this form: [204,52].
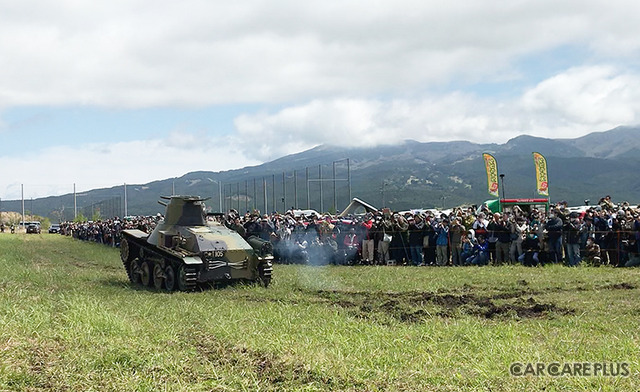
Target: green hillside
[409,175]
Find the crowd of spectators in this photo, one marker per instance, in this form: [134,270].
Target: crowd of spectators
[603,234]
[107,231]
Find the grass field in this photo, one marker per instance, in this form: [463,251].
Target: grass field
[69,320]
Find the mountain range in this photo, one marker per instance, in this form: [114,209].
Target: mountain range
[408,175]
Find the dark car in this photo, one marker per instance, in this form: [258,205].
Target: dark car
[33,228]
[54,228]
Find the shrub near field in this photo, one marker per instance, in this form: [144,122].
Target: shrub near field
[71,321]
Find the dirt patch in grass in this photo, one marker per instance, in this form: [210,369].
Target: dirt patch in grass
[619,286]
[267,369]
[416,306]
[93,265]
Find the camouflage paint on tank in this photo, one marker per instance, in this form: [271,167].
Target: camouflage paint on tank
[186,237]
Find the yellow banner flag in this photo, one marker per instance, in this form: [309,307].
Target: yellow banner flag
[492,174]
[542,178]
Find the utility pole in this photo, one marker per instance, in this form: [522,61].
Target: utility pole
[308,204]
[22,190]
[126,211]
[295,189]
[349,179]
[320,178]
[75,203]
[335,195]
[220,195]
[264,189]
[284,193]
[224,197]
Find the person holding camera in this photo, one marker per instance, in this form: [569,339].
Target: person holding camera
[554,225]
[456,233]
[480,252]
[442,242]
[502,230]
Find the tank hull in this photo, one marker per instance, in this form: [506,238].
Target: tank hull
[180,257]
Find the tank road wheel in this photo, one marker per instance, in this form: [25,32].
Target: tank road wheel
[186,278]
[169,278]
[127,251]
[145,273]
[158,276]
[127,257]
[134,272]
[264,273]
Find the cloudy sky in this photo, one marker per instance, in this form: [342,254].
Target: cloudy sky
[130,91]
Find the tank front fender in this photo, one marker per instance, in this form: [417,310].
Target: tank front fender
[192,260]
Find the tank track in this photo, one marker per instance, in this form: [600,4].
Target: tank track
[127,267]
[125,256]
[267,270]
[190,278]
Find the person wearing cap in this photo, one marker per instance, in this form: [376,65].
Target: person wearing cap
[606,202]
[502,230]
[481,252]
[398,247]
[351,246]
[238,228]
[602,233]
[252,227]
[553,225]
[620,230]
[367,236]
[518,231]
[479,226]
[572,231]
[466,247]
[530,250]
[384,234]
[429,242]
[592,253]
[417,231]
[266,228]
[492,234]
[442,243]
[587,230]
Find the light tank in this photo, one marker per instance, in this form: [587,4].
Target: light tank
[188,248]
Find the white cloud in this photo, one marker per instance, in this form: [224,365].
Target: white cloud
[568,104]
[365,123]
[53,171]
[196,52]
[596,98]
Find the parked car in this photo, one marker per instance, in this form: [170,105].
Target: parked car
[33,228]
[54,228]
